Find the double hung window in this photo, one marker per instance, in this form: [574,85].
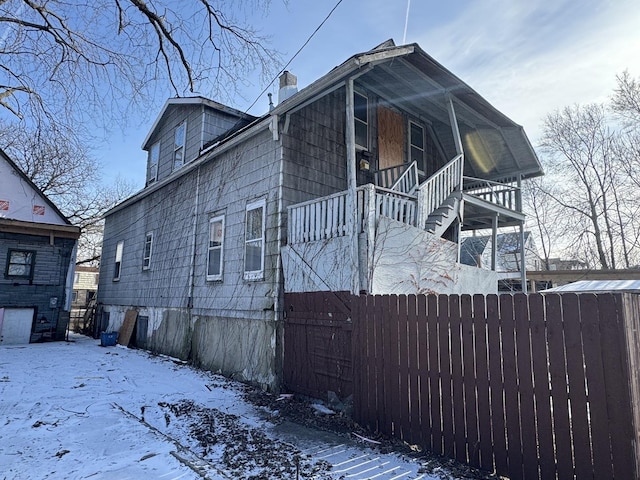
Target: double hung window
[216,248]
[254,241]
[20,264]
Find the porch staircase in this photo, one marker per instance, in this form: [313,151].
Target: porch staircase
[442,217]
[439,198]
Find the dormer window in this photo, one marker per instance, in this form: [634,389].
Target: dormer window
[152,163]
[178,148]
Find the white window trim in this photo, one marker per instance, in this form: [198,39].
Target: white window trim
[358,146]
[218,276]
[148,237]
[153,168]
[183,146]
[255,274]
[118,269]
[424,141]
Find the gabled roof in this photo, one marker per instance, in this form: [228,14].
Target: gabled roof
[182,101]
[495,147]
[18,171]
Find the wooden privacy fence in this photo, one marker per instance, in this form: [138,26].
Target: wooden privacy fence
[529,386]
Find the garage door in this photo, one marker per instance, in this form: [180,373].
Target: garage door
[15,325]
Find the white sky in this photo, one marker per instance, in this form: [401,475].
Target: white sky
[527,57]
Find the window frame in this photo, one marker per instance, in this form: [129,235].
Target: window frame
[255,274]
[210,249]
[152,167]
[421,164]
[363,122]
[179,147]
[31,254]
[146,259]
[118,261]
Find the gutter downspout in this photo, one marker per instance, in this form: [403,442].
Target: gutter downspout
[192,265]
[351,203]
[278,301]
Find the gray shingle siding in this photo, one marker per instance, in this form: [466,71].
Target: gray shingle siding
[49,277]
[225,185]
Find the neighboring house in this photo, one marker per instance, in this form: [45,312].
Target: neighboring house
[85,287]
[37,257]
[362,181]
[506,259]
[478,251]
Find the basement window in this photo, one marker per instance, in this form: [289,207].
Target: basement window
[216,248]
[20,264]
[254,241]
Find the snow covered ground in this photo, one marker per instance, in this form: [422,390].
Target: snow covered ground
[78,410]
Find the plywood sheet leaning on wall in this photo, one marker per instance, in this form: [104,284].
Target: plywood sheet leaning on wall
[124,336]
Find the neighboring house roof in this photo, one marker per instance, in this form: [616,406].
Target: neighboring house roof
[24,204]
[506,243]
[471,248]
[594,286]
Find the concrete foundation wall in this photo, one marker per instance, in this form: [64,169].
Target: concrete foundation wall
[239,348]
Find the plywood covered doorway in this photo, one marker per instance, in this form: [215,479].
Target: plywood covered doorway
[390,138]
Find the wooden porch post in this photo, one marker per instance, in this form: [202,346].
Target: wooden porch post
[351,202]
[494,241]
[523,261]
[458,141]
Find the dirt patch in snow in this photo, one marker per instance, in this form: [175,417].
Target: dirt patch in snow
[239,449]
[303,411]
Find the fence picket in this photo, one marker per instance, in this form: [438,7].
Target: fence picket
[514,436]
[434,375]
[457,379]
[413,346]
[496,387]
[444,353]
[618,403]
[540,365]
[482,382]
[403,397]
[559,394]
[470,401]
[525,382]
[423,365]
[577,393]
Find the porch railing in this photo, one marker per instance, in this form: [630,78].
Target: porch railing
[433,192]
[501,194]
[401,178]
[326,217]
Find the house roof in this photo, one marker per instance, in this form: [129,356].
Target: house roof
[182,101]
[506,243]
[496,148]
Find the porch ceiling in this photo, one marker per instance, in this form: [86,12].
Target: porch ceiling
[495,147]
